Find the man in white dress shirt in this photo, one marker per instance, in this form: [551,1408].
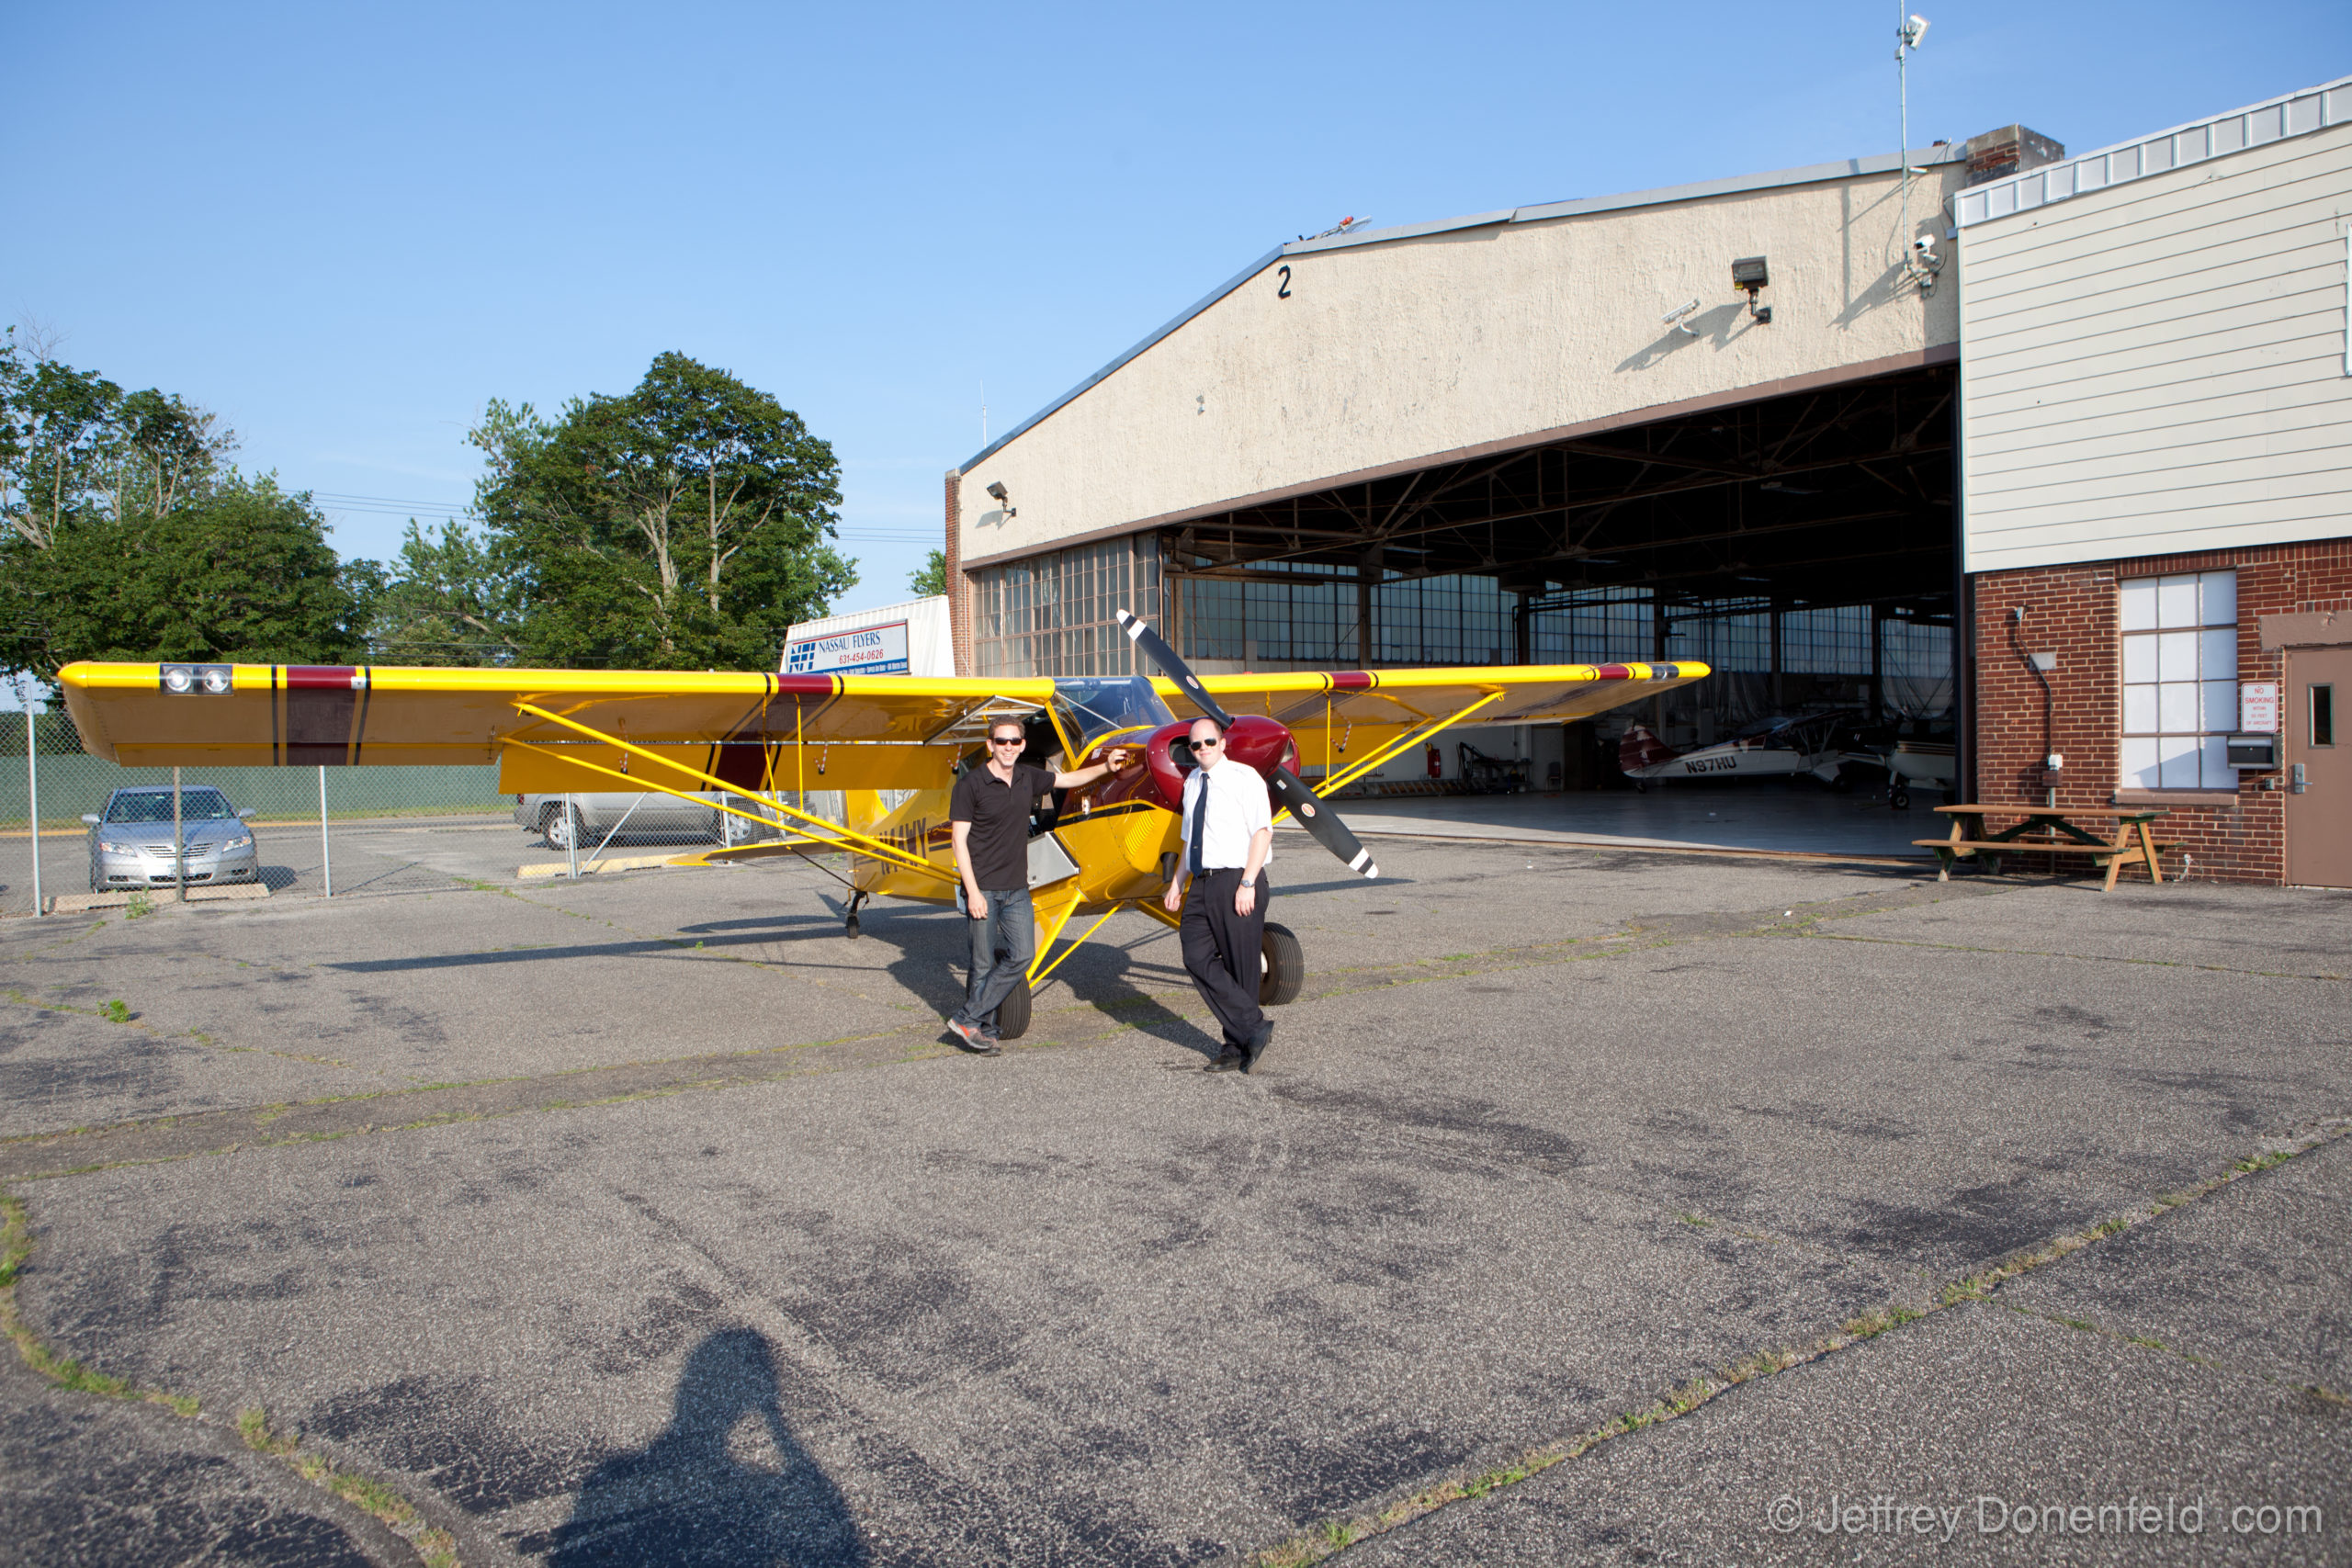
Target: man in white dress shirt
[1228,839]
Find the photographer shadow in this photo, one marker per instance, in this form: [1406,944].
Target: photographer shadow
[706,1494]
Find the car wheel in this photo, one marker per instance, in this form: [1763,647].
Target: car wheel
[560,827]
[1285,967]
[734,830]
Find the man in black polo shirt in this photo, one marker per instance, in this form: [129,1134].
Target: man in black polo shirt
[989,819]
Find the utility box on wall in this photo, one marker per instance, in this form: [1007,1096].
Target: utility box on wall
[2255,753]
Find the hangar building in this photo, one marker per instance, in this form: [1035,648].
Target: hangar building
[1753,421]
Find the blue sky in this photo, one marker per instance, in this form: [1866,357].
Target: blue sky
[345,229]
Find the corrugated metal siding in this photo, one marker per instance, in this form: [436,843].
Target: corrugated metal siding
[2159,365]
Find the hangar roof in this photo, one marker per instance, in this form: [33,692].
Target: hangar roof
[1575,207]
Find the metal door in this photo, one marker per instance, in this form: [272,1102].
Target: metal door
[2319,819]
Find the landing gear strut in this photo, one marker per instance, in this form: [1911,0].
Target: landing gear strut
[856,901]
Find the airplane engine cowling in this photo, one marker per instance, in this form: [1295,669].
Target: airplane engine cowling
[1256,742]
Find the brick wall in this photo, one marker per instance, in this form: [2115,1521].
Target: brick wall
[959,592]
[2075,611]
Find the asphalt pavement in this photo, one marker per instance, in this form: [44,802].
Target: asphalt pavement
[1589,1203]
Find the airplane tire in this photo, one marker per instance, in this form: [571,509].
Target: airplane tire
[1899,798]
[1285,968]
[1012,1013]
[850,928]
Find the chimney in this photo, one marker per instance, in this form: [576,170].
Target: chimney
[2011,149]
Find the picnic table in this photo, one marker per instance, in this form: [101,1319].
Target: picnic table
[2134,842]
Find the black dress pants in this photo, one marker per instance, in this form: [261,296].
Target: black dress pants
[1223,950]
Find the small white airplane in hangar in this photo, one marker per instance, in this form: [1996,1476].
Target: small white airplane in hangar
[1814,744]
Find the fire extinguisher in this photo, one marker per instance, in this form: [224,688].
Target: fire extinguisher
[1437,763]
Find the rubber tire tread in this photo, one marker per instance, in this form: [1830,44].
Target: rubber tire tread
[1285,970]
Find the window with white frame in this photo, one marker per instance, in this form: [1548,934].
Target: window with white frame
[2180,679]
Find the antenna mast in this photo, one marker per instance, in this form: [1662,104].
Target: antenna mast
[1908,32]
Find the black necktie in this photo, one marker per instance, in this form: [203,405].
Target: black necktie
[1200,820]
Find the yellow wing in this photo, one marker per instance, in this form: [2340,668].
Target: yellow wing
[1342,717]
[756,731]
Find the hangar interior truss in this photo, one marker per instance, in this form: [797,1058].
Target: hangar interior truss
[1802,542]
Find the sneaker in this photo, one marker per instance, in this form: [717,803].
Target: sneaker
[972,1039]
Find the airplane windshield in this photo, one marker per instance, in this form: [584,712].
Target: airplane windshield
[1093,708]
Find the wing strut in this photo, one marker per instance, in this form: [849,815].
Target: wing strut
[830,834]
[1410,738]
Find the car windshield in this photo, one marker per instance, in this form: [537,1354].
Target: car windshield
[1097,706]
[155,806]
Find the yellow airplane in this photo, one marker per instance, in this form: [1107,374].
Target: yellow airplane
[760,740]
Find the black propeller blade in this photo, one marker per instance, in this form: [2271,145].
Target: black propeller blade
[1155,647]
[1322,823]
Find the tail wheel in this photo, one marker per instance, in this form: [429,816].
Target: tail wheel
[1285,968]
[1012,1013]
[559,826]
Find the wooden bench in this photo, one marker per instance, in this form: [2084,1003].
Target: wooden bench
[2134,843]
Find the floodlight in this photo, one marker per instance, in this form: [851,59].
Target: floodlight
[997,493]
[1751,274]
[1913,29]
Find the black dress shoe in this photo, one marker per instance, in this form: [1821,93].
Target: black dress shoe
[1257,1047]
[1229,1060]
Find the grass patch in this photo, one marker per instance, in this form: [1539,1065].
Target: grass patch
[139,905]
[115,1011]
[15,1246]
[438,1547]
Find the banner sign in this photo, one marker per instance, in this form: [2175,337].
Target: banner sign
[867,651]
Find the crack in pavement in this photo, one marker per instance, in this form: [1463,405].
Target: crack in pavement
[1334,1536]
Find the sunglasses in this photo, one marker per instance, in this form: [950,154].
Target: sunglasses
[1206,745]
[1006,740]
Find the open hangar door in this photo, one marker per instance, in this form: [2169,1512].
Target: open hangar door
[1801,544]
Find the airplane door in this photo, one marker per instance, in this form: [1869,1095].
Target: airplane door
[2319,820]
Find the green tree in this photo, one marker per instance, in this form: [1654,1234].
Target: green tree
[59,435]
[682,525]
[933,578]
[239,572]
[447,600]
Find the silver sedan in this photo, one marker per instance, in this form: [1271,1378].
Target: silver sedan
[130,840]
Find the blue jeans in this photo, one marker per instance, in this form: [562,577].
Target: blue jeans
[1009,926]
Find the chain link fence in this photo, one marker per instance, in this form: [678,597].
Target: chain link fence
[317,832]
